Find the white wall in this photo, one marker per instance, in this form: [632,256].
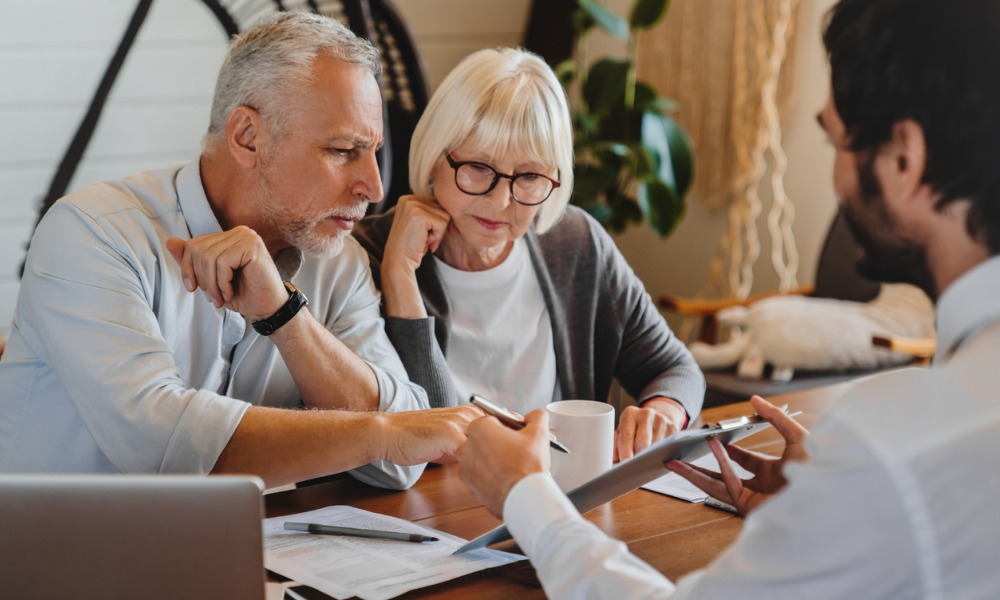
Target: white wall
[52,55]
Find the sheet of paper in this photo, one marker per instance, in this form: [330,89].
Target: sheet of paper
[674,485]
[344,567]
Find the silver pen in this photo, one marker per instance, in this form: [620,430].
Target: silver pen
[508,418]
[353,532]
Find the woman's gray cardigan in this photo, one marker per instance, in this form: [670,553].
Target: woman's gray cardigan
[604,324]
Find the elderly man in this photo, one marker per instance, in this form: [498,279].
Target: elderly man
[897,500]
[163,325]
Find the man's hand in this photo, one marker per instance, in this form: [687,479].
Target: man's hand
[234,270]
[768,472]
[639,428]
[418,227]
[494,457]
[430,435]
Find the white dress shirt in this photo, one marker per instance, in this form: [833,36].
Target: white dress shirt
[898,500]
[112,366]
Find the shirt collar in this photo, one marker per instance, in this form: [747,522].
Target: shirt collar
[201,219]
[194,203]
[966,305]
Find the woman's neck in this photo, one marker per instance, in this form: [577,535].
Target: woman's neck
[458,254]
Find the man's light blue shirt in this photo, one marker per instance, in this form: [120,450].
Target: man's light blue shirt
[112,366]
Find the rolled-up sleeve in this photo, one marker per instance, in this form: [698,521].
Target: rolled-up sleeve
[357,322]
[88,305]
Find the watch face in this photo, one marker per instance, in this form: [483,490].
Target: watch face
[263,327]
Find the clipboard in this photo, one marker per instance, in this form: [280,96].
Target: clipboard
[686,445]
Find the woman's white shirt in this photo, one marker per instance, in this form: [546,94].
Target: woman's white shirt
[500,345]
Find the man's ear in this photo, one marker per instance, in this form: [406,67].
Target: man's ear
[242,129]
[904,159]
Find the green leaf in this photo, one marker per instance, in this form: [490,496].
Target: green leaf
[601,147]
[582,22]
[601,212]
[646,13]
[662,207]
[590,182]
[624,210]
[566,72]
[585,124]
[605,19]
[605,85]
[645,96]
[662,105]
[669,145]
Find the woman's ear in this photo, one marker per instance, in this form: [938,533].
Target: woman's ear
[242,129]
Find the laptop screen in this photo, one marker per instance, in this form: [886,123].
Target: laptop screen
[131,536]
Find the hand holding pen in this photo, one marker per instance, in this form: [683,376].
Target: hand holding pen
[768,471]
[510,418]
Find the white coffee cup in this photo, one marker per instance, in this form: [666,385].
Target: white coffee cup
[587,428]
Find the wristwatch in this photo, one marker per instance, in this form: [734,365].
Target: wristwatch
[296,300]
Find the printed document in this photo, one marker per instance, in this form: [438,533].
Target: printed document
[372,569]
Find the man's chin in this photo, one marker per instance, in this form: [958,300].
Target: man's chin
[322,247]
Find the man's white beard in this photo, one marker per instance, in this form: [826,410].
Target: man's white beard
[300,234]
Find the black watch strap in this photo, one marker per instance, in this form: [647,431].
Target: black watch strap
[296,300]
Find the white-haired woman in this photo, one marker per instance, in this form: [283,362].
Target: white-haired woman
[492,284]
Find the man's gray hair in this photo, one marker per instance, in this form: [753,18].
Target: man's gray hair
[267,64]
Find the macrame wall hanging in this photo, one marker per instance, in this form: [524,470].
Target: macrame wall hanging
[728,63]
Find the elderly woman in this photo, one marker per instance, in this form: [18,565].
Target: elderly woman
[492,284]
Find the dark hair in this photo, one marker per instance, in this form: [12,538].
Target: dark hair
[936,62]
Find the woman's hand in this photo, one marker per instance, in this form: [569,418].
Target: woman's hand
[418,227]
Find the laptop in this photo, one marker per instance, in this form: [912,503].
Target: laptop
[131,536]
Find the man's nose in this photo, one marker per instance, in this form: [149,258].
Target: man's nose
[369,182]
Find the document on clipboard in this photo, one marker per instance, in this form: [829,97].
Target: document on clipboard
[687,445]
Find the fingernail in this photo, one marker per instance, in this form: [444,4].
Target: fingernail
[188,284]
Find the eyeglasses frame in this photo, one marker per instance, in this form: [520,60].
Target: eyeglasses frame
[497,176]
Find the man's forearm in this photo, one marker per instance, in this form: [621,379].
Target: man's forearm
[327,373]
[284,446]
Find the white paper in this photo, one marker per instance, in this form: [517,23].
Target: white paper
[674,485]
[344,567]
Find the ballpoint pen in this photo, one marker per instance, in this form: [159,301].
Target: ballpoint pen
[365,533]
[509,419]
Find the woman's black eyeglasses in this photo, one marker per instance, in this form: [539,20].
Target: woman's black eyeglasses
[478,179]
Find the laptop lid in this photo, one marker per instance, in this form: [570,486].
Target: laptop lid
[131,536]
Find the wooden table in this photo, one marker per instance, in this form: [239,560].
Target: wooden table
[674,536]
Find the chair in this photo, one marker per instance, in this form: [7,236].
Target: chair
[836,278]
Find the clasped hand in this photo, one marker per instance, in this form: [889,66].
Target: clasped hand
[768,471]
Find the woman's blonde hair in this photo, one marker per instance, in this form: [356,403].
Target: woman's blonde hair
[506,100]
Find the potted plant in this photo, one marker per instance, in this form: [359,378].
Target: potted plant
[634,162]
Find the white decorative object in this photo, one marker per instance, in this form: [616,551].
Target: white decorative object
[818,334]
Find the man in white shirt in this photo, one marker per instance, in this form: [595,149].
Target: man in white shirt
[158,329]
[893,493]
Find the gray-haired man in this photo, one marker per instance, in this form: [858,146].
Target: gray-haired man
[116,363]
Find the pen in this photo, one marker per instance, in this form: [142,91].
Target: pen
[365,533]
[720,505]
[510,419]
